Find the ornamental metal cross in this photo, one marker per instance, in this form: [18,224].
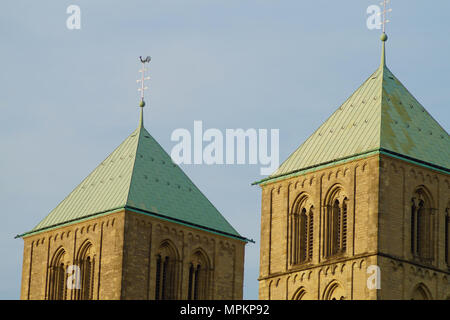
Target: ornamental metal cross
[143,78]
[384,13]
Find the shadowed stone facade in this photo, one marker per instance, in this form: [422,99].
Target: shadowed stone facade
[124,247]
[379,190]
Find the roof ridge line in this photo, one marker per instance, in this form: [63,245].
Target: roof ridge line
[192,224]
[379,150]
[152,148]
[383,68]
[134,162]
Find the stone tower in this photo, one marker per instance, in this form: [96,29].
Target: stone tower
[361,209]
[135,228]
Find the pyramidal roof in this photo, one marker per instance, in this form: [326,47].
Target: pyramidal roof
[139,175]
[383,116]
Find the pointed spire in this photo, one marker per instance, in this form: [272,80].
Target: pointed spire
[383,38]
[143,88]
[141,118]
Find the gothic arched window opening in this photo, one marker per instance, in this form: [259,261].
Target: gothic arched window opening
[166,272]
[198,282]
[421,292]
[299,294]
[422,226]
[57,289]
[302,231]
[335,224]
[85,285]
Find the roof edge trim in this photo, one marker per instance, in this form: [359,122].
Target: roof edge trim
[69,222]
[316,166]
[32,232]
[414,160]
[135,158]
[189,224]
[353,157]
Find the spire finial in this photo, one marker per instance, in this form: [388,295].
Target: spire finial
[384,13]
[143,87]
[384,36]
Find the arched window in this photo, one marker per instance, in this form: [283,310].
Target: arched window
[57,289]
[310,234]
[335,228]
[85,263]
[303,236]
[302,231]
[421,292]
[166,272]
[344,225]
[422,226]
[334,291]
[198,281]
[300,294]
[335,223]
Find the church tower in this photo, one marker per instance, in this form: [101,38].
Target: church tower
[361,210]
[135,228]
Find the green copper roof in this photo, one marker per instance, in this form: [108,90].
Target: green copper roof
[380,115]
[140,175]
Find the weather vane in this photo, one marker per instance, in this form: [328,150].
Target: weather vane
[384,13]
[143,78]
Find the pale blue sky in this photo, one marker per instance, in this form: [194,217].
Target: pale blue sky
[68,98]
